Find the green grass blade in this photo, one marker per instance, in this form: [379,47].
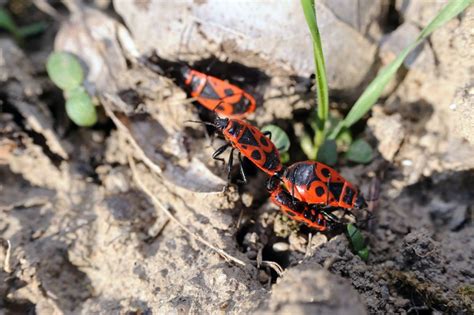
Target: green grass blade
[376,87]
[32,29]
[7,23]
[309,10]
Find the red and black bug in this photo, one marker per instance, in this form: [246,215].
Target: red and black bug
[217,95]
[316,183]
[300,211]
[220,96]
[250,142]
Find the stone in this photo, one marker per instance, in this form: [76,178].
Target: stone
[240,30]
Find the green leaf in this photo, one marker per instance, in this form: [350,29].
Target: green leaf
[278,137]
[327,153]
[7,23]
[360,151]
[285,157]
[344,139]
[32,29]
[307,145]
[363,254]
[376,87]
[322,111]
[65,70]
[357,241]
[79,108]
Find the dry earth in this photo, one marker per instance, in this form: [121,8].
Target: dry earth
[133,217]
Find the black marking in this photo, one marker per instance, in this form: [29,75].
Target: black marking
[349,194]
[302,174]
[319,191]
[195,82]
[235,128]
[220,107]
[228,92]
[256,155]
[284,199]
[209,92]
[325,171]
[264,141]
[272,161]
[241,106]
[336,190]
[248,138]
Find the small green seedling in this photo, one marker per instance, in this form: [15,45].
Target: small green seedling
[360,152]
[357,241]
[280,139]
[79,107]
[20,33]
[66,72]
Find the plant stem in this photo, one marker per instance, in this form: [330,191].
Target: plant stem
[322,111]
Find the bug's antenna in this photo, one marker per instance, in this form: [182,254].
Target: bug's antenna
[201,122]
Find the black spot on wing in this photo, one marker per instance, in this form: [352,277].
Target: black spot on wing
[228,92]
[256,155]
[209,92]
[248,138]
[241,106]
[336,189]
[349,194]
[319,191]
[272,161]
[264,141]
[325,171]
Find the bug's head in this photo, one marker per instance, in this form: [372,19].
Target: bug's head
[184,71]
[272,183]
[221,123]
[360,202]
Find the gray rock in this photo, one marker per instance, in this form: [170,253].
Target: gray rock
[394,43]
[241,30]
[389,132]
[310,289]
[358,14]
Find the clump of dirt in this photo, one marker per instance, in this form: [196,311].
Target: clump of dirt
[133,216]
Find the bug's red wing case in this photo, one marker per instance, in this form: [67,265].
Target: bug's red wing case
[254,145]
[213,93]
[317,183]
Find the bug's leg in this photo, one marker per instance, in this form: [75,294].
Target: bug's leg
[330,215]
[244,178]
[230,164]
[219,151]
[268,134]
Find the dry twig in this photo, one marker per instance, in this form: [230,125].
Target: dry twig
[159,205]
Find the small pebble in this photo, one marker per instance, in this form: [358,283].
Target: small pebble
[263,277]
[281,247]
[252,254]
[247,199]
[318,240]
